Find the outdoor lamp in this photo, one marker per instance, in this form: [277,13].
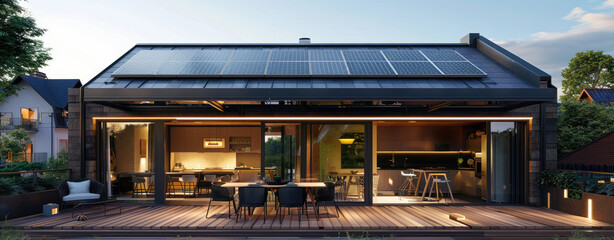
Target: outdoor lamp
[346,139]
[50,209]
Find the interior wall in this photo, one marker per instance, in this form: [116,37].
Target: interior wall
[419,138]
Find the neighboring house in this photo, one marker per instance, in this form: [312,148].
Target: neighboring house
[40,108]
[602,96]
[597,155]
[356,113]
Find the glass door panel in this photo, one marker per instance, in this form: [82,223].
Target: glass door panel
[338,155]
[282,151]
[508,162]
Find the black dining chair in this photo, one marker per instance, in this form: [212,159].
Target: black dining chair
[251,197]
[222,194]
[291,197]
[326,194]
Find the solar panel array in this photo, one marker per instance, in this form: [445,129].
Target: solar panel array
[307,62]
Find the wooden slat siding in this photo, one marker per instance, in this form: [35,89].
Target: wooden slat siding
[126,223]
[161,215]
[181,220]
[485,220]
[385,223]
[418,214]
[214,213]
[440,217]
[364,224]
[95,222]
[86,225]
[376,218]
[390,219]
[590,222]
[507,219]
[568,222]
[528,224]
[539,219]
[576,221]
[373,218]
[408,218]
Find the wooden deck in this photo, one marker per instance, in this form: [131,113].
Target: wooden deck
[397,220]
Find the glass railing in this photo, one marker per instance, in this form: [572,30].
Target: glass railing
[17,123]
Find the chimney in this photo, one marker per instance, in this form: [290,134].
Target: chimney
[38,74]
[304,40]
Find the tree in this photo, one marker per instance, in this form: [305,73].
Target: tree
[590,69]
[15,144]
[20,50]
[582,122]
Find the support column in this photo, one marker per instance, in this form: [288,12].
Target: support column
[158,154]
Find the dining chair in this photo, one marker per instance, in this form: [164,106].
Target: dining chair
[222,194]
[326,194]
[171,185]
[189,182]
[290,197]
[251,197]
[151,189]
[139,187]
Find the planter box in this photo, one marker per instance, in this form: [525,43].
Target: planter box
[602,205]
[27,204]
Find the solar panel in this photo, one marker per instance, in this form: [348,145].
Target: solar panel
[245,68]
[404,55]
[280,61]
[288,68]
[325,55]
[370,68]
[171,68]
[139,68]
[203,68]
[363,56]
[415,68]
[443,55]
[328,68]
[289,56]
[458,68]
[241,55]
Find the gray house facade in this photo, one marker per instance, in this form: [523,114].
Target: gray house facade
[357,115]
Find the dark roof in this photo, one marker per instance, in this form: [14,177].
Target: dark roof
[603,96]
[54,91]
[503,72]
[597,152]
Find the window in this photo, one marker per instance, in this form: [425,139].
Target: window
[28,118]
[6,119]
[63,145]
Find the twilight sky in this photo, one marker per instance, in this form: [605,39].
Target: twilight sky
[88,35]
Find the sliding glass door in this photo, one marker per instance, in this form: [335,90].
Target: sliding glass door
[507,162]
[282,151]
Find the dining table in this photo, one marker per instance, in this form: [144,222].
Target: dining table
[347,178]
[309,186]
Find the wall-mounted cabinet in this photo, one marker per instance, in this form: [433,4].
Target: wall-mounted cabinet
[237,139]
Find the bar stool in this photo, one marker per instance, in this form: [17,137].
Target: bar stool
[151,189]
[171,185]
[407,185]
[436,182]
[139,186]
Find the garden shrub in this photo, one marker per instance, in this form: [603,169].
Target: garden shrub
[563,180]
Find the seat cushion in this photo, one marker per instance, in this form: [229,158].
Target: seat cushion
[79,187]
[80,196]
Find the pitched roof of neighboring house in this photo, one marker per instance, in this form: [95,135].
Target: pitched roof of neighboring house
[54,91]
[603,96]
[598,152]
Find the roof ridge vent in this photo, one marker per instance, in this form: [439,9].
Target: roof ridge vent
[304,40]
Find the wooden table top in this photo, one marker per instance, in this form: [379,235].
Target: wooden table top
[298,184]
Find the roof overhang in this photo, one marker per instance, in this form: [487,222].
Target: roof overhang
[321,94]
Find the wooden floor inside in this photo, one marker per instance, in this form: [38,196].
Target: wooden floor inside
[191,220]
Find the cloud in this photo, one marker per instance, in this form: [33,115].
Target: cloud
[551,51]
[575,13]
[607,4]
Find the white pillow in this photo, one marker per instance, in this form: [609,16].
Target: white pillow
[79,187]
